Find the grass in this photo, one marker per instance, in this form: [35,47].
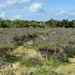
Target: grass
[48,67]
[28,62]
[44,45]
[44,71]
[52,51]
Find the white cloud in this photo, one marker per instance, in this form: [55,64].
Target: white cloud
[61,13]
[2,5]
[3,14]
[16,17]
[11,2]
[36,7]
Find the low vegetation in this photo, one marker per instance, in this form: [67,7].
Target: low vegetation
[37,52]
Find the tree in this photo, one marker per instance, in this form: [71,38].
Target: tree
[3,24]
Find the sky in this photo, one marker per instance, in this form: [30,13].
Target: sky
[39,10]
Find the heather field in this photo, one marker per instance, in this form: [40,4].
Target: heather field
[37,51]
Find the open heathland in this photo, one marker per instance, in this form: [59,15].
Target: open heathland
[37,51]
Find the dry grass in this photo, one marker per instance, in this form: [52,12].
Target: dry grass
[68,69]
[54,35]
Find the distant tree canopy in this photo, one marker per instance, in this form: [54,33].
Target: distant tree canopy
[65,23]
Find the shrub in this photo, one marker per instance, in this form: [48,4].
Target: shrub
[52,51]
[71,42]
[21,39]
[16,37]
[17,40]
[5,49]
[30,62]
[70,50]
[10,58]
[32,35]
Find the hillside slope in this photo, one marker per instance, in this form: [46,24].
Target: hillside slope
[37,51]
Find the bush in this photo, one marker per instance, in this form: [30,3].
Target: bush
[70,51]
[30,62]
[21,39]
[52,51]
[10,58]
[18,40]
[5,49]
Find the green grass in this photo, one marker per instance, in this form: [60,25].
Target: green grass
[44,71]
[28,62]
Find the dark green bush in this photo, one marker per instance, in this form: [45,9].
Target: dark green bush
[10,58]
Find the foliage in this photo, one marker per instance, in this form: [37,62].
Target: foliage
[70,51]
[53,51]
[5,49]
[9,58]
[20,39]
[54,63]
[46,46]
[35,24]
[44,71]
[30,62]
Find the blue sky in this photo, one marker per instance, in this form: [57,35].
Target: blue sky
[39,10]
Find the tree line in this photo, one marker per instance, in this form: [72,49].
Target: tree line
[65,23]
